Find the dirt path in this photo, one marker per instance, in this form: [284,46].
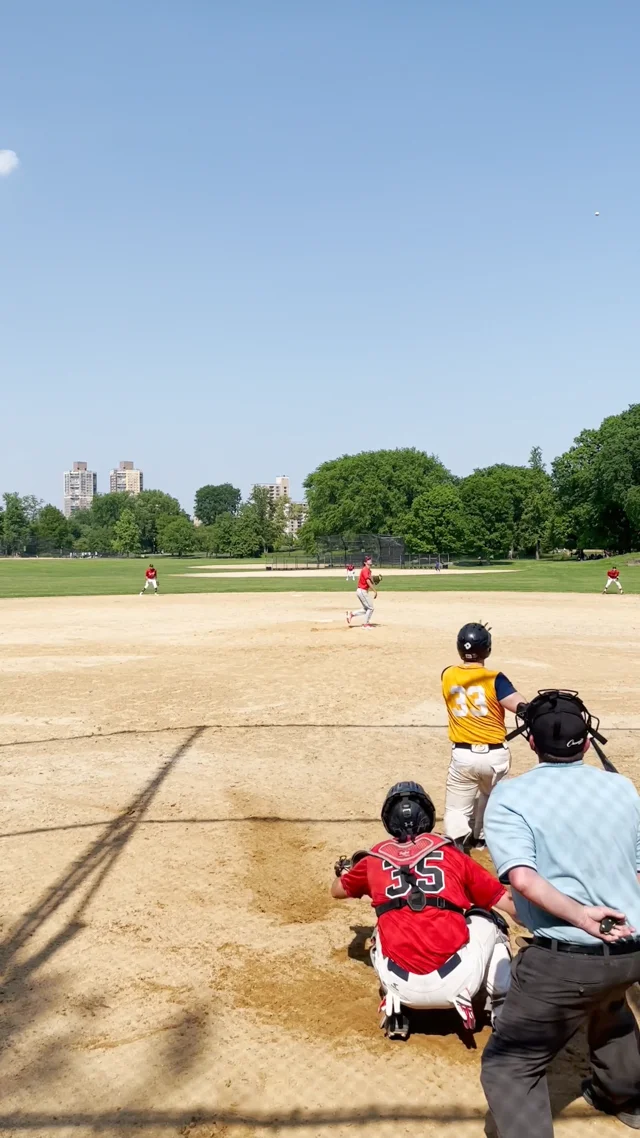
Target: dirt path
[172,964]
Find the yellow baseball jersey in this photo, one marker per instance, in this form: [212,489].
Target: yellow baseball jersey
[472,696]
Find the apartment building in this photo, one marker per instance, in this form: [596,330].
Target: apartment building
[126,479]
[278,489]
[80,485]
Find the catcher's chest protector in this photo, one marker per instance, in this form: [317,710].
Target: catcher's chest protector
[408,854]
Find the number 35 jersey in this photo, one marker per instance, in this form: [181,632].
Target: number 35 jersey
[472,696]
[421,942]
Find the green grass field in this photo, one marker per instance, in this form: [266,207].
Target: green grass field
[66,577]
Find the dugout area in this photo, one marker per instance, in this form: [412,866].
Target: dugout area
[177,780]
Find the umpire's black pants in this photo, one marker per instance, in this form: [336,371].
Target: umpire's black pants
[552,994]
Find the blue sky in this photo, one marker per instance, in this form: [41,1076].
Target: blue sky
[248,236]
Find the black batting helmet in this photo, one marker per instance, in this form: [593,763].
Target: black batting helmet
[474,641]
[408,811]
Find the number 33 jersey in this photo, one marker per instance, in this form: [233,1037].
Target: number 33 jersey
[472,696]
[421,942]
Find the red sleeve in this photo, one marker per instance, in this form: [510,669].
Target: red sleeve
[483,888]
[356,882]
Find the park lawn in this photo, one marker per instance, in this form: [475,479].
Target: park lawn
[41,577]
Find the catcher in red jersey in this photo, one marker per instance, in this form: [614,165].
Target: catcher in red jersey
[438,941]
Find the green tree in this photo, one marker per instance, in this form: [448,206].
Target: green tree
[15,528]
[126,535]
[535,460]
[222,534]
[247,535]
[106,509]
[93,539]
[149,508]
[371,492]
[596,481]
[437,522]
[52,528]
[176,536]
[212,501]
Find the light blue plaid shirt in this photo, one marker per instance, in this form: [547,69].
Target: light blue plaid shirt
[579,827]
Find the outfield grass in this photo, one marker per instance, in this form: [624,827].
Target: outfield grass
[67,577]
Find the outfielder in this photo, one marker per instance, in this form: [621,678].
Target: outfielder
[437,941]
[366,586]
[151,580]
[613,578]
[351,572]
[476,699]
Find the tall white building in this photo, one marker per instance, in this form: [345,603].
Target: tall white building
[80,485]
[278,489]
[126,479]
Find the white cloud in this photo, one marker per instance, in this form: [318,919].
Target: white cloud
[8,162]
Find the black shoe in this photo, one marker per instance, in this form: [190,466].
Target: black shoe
[397,1026]
[480,844]
[628,1113]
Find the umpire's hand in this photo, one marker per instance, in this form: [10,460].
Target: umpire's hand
[594,914]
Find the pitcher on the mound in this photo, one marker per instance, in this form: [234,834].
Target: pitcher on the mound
[476,698]
[366,589]
[437,942]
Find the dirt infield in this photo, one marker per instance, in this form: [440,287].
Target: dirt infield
[172,964]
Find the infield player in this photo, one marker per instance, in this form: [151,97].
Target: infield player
[613,578]
[365,591]
[437,941]
[476,698]
[351,572]
[151,580]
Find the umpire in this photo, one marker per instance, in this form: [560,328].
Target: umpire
[566,837]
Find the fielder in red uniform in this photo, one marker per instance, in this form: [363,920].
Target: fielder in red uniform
[613,578]
[437,942]
[151,580]
[364,592]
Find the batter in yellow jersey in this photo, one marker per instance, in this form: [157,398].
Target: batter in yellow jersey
[476,698]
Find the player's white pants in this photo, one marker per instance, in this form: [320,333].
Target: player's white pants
[485,962]
[151,581]
[613,581]
[350,577]
[367,605]
[471,777]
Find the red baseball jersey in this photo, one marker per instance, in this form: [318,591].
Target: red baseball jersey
[364,580]
[421,942]
[151,574]
[350,568]
[613,573]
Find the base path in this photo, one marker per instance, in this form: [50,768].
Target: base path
[339,573]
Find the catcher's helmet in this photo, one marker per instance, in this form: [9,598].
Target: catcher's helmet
[408,811]
[474,641]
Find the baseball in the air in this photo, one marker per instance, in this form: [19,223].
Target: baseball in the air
[597,213]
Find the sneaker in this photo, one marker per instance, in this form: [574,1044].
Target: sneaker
[628,1113]
[142,592]
[349,618]
[367,627]
[479,844]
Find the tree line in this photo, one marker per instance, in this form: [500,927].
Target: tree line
[589,500]
[147,523]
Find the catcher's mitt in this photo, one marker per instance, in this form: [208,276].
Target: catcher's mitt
[344,863]
[377,579]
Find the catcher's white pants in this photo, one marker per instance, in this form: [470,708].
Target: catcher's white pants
[613,581]
[485,962]
[151,581]
[471,777]
[367,605]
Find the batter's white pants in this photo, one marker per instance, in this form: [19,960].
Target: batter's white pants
[613,581]
[367,605]
[151,581]
[471,777]
[485,962]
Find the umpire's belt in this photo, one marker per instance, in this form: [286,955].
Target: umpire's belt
[474,746]
[442,971]
[619,948]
